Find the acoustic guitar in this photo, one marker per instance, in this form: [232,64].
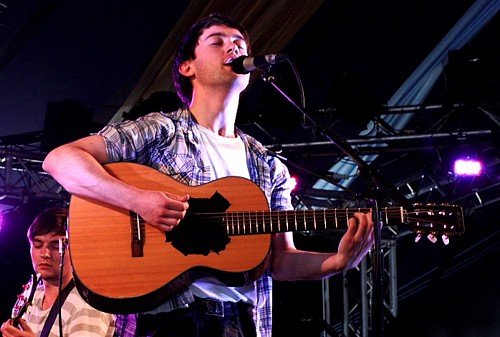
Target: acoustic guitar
[122,265]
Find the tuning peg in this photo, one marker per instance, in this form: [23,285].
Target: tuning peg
[446,239]
[432,238]
[418,237]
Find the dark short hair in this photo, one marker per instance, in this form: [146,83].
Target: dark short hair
[51,220]
[186,49]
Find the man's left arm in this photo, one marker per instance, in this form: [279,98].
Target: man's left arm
[289,263]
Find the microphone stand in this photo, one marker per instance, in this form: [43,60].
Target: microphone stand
[378,186]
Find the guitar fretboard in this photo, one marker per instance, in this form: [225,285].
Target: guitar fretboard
[261,222]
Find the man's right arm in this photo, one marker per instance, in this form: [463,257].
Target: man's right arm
[77,166]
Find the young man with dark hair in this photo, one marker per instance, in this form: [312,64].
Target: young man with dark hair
[45,235]
[195,145]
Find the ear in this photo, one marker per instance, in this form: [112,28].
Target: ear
[185,69]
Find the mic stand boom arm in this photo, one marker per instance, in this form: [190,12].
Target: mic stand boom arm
[376,183]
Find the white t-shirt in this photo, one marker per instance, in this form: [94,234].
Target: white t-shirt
[227,157]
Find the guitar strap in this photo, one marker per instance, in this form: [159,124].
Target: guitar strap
[54,310]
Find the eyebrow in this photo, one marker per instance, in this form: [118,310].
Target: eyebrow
[35,240]
[220,34]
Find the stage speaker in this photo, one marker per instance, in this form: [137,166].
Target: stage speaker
[65,121]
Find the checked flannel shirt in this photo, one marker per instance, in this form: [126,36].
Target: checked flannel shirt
[170,143]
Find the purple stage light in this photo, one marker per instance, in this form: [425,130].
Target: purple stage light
[467,167]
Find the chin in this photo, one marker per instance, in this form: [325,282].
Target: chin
[47,274]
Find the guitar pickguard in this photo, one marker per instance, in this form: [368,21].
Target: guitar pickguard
[202,230]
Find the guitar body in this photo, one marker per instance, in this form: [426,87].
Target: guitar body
[112,279]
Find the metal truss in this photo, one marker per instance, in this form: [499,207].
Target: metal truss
[357,295]
[22,178]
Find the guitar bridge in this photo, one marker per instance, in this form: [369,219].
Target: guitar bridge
[137,232]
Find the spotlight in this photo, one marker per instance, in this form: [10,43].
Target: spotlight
[467,167]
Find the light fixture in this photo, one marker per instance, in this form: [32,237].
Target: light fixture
[467,167]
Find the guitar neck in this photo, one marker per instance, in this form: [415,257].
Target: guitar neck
[262,222]
[24,300]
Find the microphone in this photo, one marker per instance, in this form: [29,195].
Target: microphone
[246,64]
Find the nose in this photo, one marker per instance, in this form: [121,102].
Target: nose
[45,253]
[233,49]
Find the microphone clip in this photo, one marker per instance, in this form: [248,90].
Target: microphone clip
[62,245]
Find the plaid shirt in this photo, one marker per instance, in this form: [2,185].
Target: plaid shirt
[171,144]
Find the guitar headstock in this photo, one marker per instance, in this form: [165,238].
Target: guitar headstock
[24,300]
[436,220]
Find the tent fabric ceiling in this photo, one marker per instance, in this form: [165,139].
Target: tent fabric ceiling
[271,26]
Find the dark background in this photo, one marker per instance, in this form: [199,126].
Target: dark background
[352,56]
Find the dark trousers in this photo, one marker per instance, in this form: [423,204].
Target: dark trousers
[203,318]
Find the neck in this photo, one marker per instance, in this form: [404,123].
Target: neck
[216,111]
[51,291]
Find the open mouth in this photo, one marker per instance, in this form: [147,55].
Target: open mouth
[229,61]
